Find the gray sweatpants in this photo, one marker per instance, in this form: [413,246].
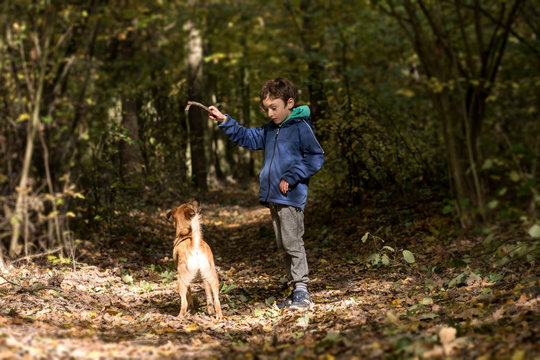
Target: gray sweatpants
[288,224]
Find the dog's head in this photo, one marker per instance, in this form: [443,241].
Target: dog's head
[182,216]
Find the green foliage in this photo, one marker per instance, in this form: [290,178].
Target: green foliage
[127,278]
[226,288]
[55,260]
[381,255]
[376,101]
[330,340]
[168,276]
[146,286]
[534,231]
[408,256]
[266,313]
[521,250]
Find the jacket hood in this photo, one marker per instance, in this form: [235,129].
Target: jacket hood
[298,112]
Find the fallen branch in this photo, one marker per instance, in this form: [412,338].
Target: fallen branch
[38,287]
[189,103]
[9,281]
[38,255]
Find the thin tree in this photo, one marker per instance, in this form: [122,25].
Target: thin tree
[195,117]
[21,205]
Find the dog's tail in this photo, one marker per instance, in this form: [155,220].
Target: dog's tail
[196,230]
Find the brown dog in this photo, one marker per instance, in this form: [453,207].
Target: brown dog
[193,258]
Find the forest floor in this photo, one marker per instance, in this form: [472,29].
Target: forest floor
[470,296]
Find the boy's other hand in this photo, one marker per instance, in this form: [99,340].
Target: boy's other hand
[284,186]
[215,114]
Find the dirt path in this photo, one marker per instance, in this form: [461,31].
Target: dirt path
[121,301]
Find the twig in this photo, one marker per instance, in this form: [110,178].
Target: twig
[38,287]
[38,255]
[189,103]
[9,281]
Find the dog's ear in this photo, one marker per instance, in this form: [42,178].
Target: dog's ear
[166,215]
[196,205]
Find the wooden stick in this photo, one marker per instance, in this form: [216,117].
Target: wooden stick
[189,103]
[37,255]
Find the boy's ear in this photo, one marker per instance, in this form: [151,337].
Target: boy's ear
[290,103]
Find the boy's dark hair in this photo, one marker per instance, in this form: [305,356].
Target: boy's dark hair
[278,88]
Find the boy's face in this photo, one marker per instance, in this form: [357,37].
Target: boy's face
[277,110]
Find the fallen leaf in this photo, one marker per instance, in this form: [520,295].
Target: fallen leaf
[522,299]
[191,328]
[436,352]
[498,314]
[447,335]
[518,354]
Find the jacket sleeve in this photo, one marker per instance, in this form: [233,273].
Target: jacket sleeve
[252,139]
[312,157]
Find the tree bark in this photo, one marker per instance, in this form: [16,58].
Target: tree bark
[130,151]
[215,148]
[21,206]
[247,170]
[195,116]
[312,42]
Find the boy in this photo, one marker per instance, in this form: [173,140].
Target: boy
[292,155]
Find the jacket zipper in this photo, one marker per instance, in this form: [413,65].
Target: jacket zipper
[270,166]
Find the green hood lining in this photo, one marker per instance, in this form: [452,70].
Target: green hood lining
[298,112]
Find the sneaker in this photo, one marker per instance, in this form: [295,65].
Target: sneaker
[286,303]
[301,300]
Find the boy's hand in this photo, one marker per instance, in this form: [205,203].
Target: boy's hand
[215,114]
[284,186]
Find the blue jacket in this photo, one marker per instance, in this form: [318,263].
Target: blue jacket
[292,152]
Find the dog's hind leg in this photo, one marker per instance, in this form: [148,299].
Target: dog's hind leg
[209,299]
[213,283]
[185,297]
[191,304]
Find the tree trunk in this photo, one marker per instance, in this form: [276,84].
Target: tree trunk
[247,164]
[195,115]
[456,163]
[130,151]
[312,42]
[215,150]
